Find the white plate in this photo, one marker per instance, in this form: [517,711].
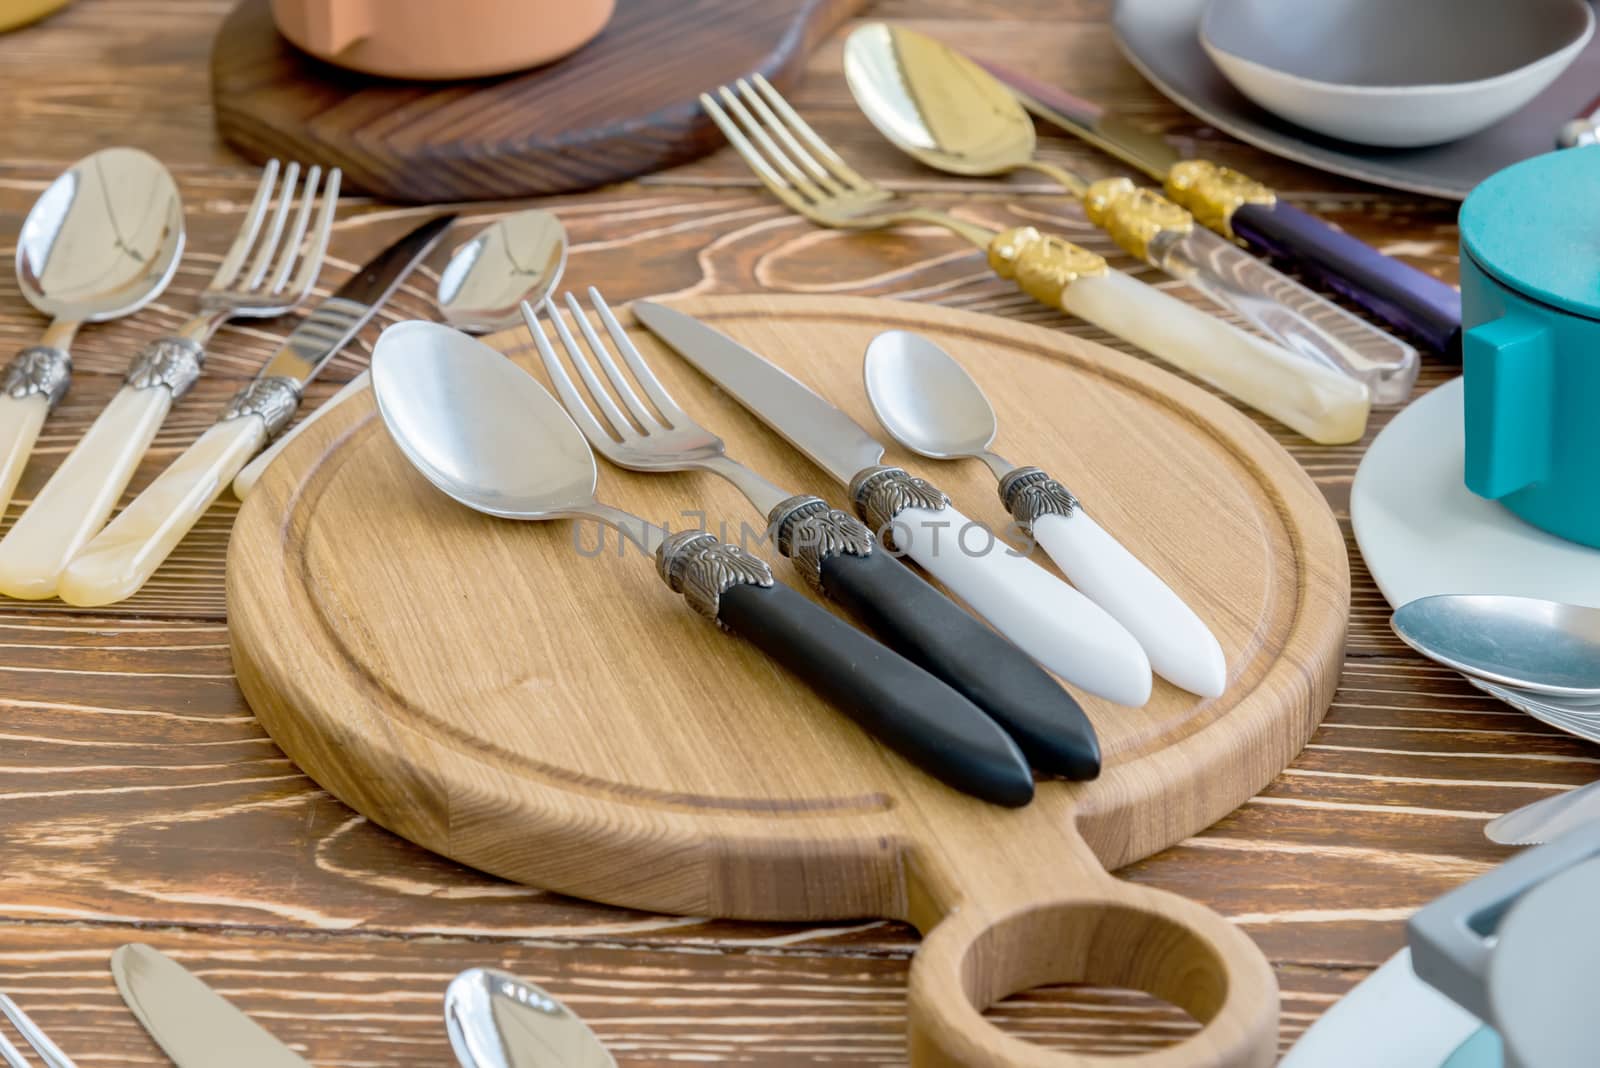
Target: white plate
[1423,532]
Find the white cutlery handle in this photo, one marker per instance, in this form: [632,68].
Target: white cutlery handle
[81,493]
[253,470]
[1050,621]
[124,555]
[1181,648]
[21,419]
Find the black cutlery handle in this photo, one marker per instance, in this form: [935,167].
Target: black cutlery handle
[893,699]
[923,624]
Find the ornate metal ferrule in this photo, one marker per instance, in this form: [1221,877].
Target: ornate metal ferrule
[1213,193]
[1042,265]
[174,362]
[702,568]
[39,369]
[881,493]
[1134,217]
[809,532]
[1028,493]
[273,399]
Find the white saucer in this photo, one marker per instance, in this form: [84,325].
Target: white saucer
[1423,532]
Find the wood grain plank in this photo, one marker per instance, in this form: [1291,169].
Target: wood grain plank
[138,799]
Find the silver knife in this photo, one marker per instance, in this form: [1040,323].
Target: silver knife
[123,556]
[1052,622]
[193,1024]
[1546,819]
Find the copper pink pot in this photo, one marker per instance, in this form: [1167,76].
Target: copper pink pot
[440,39]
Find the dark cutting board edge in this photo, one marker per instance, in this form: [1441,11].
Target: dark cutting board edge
[274,101]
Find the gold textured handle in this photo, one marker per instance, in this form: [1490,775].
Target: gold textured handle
[1042,265]
[1134,217]
[1213,193]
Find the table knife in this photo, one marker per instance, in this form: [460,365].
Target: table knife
[123,556]
[1052,622]
[1238,207]
[1546,819]
[193,1024]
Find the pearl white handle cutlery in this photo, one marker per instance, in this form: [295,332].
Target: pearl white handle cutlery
[123,556]
[101,242]
[258,278]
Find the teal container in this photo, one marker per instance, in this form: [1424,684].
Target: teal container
[1530,312]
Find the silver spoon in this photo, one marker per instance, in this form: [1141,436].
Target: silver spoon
[1546,819]
[520,257]
[496,1020]
[101,242]
[1542,647]
[486,433]
[929,404]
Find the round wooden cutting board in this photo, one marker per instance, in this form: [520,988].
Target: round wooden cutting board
[504,694]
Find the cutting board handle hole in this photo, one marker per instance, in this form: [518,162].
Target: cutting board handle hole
[1142,943]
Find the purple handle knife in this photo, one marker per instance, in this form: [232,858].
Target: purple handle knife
[1407,299]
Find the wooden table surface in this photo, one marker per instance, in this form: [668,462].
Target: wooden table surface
[139,800]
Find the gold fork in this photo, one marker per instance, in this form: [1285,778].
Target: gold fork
[813,180]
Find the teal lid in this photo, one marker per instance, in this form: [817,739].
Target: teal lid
[1535,227]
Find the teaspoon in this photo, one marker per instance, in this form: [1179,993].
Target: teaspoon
[929,404]
[486,433]
[496,1020]
[1530,644]
[481,290]
[101,242]
[948,113]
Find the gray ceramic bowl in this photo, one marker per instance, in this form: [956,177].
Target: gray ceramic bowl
[1397,73]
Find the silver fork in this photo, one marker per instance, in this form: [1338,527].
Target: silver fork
[36,1039]
[834,552]
[269,269]
[642,439]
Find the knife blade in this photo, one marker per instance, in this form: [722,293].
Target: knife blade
[118,560]
[193,1024]
[1403,296]
[1546,819]
[1052,622]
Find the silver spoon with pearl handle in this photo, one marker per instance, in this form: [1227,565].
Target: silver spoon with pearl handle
[102,241]
[929,404]
[481,290]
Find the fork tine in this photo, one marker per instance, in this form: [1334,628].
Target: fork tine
[269,244]
[302,219]
[641,370]
[619,381]
[566,389]
[834,161]
[249,226]
[769,177]
[794,176]
[317,244]
[797,151]
[620,426]
[47,1050]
